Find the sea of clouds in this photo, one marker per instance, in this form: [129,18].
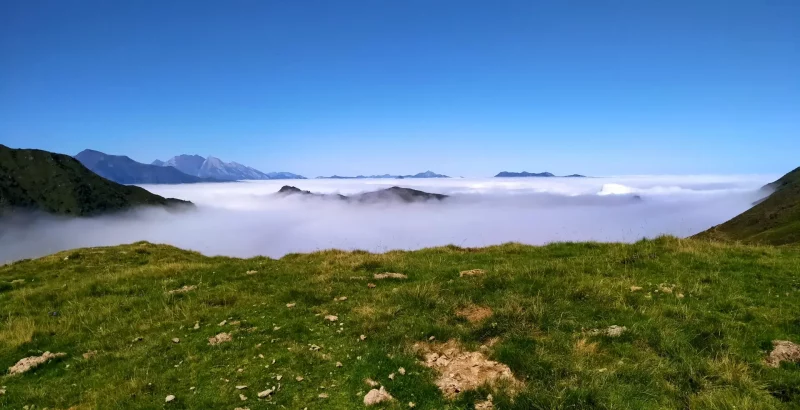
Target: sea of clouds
[245,219]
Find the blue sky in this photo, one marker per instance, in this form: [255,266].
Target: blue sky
[460,87]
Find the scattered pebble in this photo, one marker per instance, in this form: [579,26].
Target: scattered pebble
[223,322]
[363,337]
[251,272]
[391,376]
[176,340]
[371,285]
[265,393]
[635,288]
[196,325]
[339,364]
[323,395]
[402,371]
[291,305]
[471,272]
[90,354]
[241,387]
[332,318]
[278,377]
[242,397]
[299,378]
[169,398]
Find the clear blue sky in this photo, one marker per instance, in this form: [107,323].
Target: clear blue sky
[459,87]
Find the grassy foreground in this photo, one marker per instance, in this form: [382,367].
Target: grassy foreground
[704,350]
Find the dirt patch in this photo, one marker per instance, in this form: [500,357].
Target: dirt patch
[475,313]
[90,354]
[220,338]
[461,370]
[28,363]
[485,405]
[472,272]
[389,275]
[783,351]
[184,289]
[584,347]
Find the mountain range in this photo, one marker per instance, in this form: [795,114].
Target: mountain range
[525,174]
[124,170]
[38,180]
[426,174]
[215,168]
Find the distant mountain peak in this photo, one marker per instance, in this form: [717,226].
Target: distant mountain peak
[525,174]
[216,168]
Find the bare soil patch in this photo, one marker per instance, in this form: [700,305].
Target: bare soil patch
[475,313]
[461,370]
[28,363]
[783,351]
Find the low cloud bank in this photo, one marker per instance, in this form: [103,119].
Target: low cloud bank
[245,219]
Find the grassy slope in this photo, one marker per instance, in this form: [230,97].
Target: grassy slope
[56,183]
[775,220]
[703,351]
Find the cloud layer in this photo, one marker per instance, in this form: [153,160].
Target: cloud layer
[244,219]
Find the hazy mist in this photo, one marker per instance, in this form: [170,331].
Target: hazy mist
[245,218]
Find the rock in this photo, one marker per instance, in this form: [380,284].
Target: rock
[251,272]
[323,395]
[391,376]
[411,404]
[299,378]
[184,289]
[265,393]
[28,363]
[472,272]
[223,322]
[278,377]
[242,397]
[196,325]
[290,305]
[611,331]
[389,275]
[169,398]
[402,371]
[241,387]
[220,338]
[377,396]
[371,285]
[635,288]
[679,295]
[90,354]
[363,337]
[783,351]
[370,382]
[176,340]
[138,339]
[331,318]
[339,364]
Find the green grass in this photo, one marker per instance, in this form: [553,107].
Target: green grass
[702,351]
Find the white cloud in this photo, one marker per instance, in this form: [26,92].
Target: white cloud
[245,219]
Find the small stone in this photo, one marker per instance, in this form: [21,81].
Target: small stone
[331,318]
[377,396]
[138,339]
[411,404]
[291,305]
[299,378]
[220,338]
[223,322]
[196,325]
[370,382]
[323,395]
[679,296]
[371,285]
[90,354]
[176,340]
[363,337]
[635,288]
[191,388]
[241,387]
[251,272]
[264,393]
[402,371]
[242,397]
[391,376]
[278,377]
[169,398]
[339,364]
[432,338]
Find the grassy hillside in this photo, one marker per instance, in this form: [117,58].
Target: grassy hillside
[696,333]
[774,220]
[55,183]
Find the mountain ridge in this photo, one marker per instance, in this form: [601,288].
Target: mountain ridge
[124,170]
[213,167]
[525,174]
[37,180]
[426,174]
